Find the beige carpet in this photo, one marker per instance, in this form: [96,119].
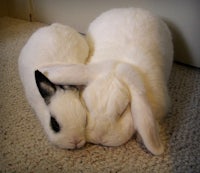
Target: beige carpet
[25,148]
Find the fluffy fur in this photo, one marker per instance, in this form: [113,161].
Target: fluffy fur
[126,78]
[50,45]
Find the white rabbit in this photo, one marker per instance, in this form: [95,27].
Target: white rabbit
[126,78]
[59,108]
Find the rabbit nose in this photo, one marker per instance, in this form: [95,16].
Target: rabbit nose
[78,143]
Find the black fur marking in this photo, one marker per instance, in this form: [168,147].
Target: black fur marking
[61,87]
[54,125]
[45,86]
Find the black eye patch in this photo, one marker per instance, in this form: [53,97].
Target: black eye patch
[54,125]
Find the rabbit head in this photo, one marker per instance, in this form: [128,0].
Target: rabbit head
[116,100]
[64,116]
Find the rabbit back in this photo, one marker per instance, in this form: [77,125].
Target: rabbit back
[134,36]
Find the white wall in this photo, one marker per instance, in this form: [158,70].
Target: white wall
[183,16]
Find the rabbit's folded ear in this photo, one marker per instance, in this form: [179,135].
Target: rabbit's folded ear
[146,124]
[76,74]
[69,74]
[143,117]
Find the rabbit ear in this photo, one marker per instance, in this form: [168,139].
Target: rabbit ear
[69,74]
[145,123]
[46,88]
[143,117]
[76,74]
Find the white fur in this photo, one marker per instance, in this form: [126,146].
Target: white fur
[126,78]
[50,45]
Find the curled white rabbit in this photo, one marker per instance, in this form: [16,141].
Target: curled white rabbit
[59,108]
[126,77]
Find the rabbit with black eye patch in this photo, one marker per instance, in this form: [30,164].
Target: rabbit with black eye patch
[59,108]
[126,77]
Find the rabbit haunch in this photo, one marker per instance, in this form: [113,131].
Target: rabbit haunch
[59,108]
[126,77]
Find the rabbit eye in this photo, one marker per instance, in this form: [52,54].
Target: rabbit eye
[125,110]
[54,125]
